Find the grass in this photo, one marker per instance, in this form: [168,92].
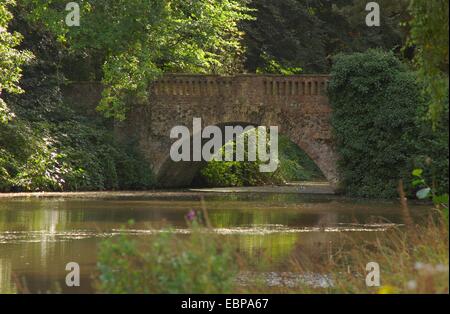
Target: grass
[412,258]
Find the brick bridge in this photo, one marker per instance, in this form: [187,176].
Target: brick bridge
[297,104]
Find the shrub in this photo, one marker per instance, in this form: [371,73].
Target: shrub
[67,156]
[376,102]
[169,263]
[431,147]
[294,165]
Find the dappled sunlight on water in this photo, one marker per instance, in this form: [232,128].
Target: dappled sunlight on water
[56,236]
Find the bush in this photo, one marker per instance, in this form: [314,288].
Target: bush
[376,103]
[67,156]
[169,263]
[294,165]
[431,147]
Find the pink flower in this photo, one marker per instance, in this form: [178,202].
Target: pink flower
[191,215]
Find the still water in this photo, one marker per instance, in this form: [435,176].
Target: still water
[39,236]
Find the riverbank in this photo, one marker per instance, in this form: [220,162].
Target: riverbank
[320,188]
[290,188]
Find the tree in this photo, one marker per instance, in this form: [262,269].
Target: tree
[358,37]
[11,59]
[430,35]
[285,33]
[136,41]
[307,34]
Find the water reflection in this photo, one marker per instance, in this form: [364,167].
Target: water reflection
[6,284]
[38,237]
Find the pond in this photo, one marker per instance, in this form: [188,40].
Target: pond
[39,236]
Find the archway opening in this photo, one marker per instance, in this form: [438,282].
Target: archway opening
[294,166]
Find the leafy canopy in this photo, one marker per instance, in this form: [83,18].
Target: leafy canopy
[10,59]
[139,40]
[430,35]
[305,34]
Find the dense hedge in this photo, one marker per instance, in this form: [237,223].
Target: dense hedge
[379,125]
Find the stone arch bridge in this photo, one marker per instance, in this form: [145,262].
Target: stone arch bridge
[298,105]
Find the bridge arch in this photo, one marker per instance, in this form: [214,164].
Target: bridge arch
[183,173]
[298,105]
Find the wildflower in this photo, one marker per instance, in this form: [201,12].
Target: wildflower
[387,290]
[411,285]
[191,215]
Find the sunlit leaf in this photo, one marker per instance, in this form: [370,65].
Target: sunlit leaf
[418,182]
[417,172]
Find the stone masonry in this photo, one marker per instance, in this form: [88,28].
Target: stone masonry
[298,105]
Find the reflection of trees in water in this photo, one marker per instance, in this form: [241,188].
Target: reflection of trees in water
[36,215]
[41,251]
[38,221]
[268,248]
[42,217]
[6,281]
[250,217]
[50,222]
[278,247]
[328,219]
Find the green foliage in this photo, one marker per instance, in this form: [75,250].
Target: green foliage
[271,66]
[100,162]
[374,100]
[429,192]
[11,60]
[306,34]
[234,173]
[49,145]
[65,156]
[430,36]
[294,165]
[430,147]
[219,172]
[168,263]
[353,34]
[139,40]
[380,126]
